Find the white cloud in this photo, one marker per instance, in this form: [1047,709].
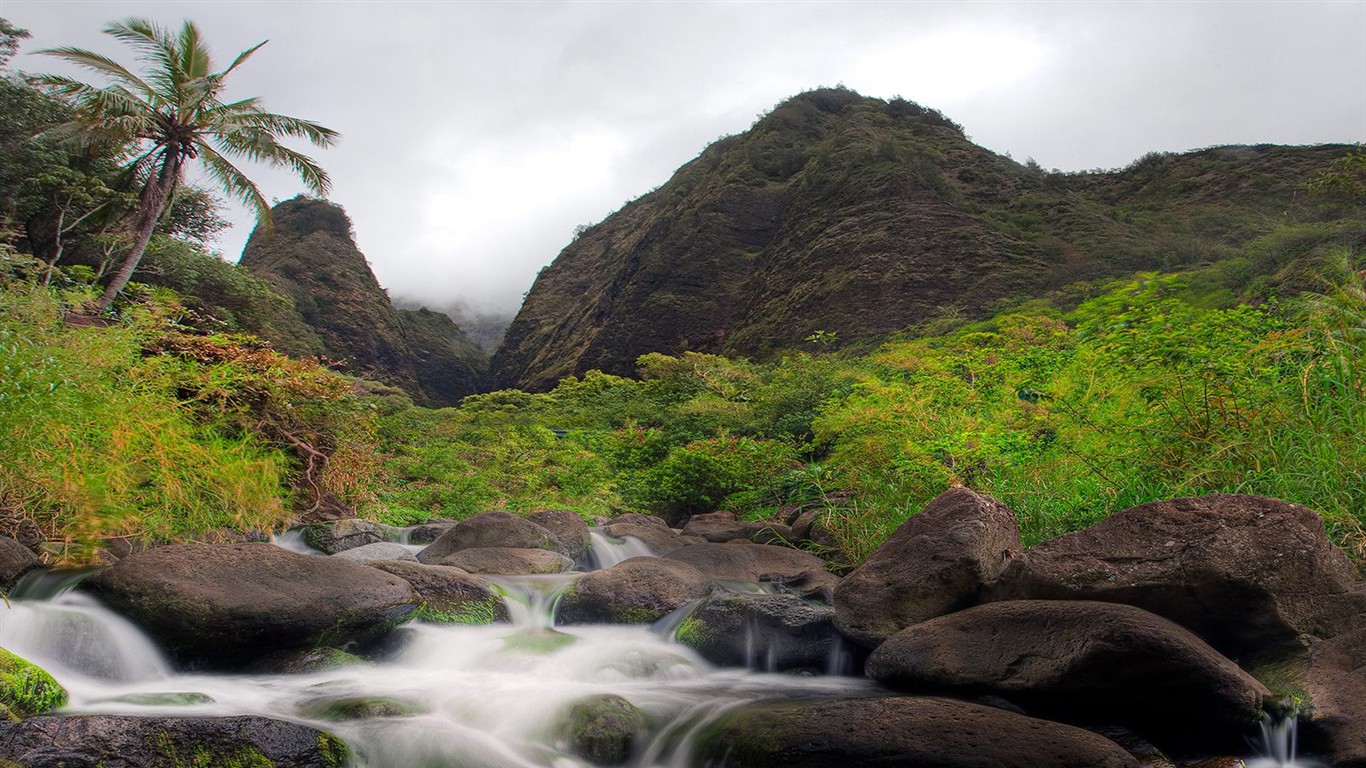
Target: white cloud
[477,135]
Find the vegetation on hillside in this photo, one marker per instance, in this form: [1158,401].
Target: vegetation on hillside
[1151,388]
[170,419]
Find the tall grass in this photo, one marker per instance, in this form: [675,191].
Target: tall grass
[89,451]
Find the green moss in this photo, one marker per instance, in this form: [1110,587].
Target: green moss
[332,751]
[1285,678]
[472,613]
[171,754]
[27,689]
[694,633]
[631,614]
[542,641]
[358,708]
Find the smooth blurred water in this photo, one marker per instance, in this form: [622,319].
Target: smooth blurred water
[478,697]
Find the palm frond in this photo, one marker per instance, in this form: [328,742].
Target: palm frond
[225,120]
[241,57]
[194,56]
[261,146]
[155,46]
[102,64]
[234,182]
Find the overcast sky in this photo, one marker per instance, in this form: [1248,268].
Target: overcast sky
[476,136]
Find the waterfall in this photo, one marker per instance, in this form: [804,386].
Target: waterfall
[606,551]
[1277,750]
[74,636]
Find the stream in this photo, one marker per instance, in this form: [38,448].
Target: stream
[492,696]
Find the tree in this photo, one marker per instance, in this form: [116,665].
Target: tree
[169,116]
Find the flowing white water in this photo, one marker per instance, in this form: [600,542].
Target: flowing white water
[606,551]
[475,697]
[1279,746]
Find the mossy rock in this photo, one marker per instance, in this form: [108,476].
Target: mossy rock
[170,699]
[474,613]
[359,708]
[304,662]
[27,689]
[602,729]
[538,641]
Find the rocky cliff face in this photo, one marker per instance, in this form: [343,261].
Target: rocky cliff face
[309,255]
[861,217]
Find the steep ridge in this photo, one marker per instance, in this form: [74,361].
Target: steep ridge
[310,255]
[861,217]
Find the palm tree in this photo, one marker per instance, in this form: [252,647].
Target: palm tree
[170,115]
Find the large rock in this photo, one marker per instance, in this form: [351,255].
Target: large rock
[601,729]
[640,590]
[109,741]
[492,529]
[937,562]
[26,689]
[449,595]
[1243,572]
[507,561]
[719,527]
[895,732]
[743,561]
[336,536]
[1084,662]
[15,561]
[567,526]
[768,632]
[1335,685]
[217,606]
[652,531]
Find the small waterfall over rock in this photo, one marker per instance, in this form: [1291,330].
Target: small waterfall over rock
[73,636]
[606,551]
[1279,744]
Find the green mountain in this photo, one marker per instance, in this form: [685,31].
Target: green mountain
[310,256]
[861,217]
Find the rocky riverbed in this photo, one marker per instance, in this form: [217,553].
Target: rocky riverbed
[1171,634]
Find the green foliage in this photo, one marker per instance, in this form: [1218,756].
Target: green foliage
[141,429]
[27,689]
[725,472]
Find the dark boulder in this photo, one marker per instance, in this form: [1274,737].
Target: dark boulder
[718,527]
[775,633]
[1243,572]
[1328,679]
[507,561]
[428,532]
[218,606]
[492,529]
[449,595]
[602,729]
[653,532]
[744,561]
[937,562]
[897,732]
[567,526]
[1083,662]
[110,741]
[336,536]
[15,561]
[640,590]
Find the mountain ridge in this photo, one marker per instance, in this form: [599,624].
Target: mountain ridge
[860,217]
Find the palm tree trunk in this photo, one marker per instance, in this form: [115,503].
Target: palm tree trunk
[151,202]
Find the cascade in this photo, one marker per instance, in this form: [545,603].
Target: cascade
[1278,747]
[606,551]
